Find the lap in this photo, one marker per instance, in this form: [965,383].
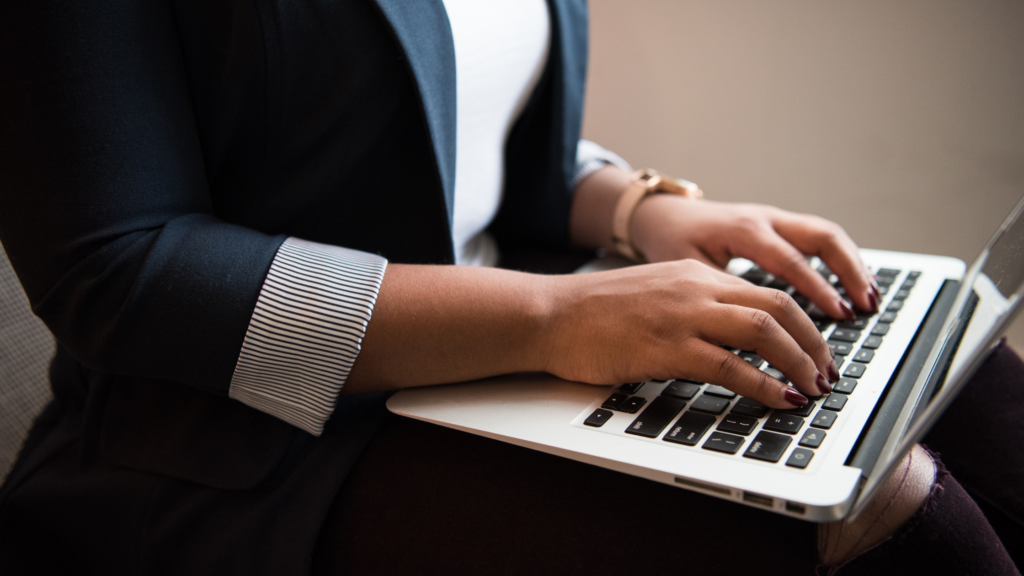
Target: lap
[428,499]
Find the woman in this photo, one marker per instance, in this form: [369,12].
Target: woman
[180,182]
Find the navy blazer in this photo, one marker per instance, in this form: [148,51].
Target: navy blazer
[154,155]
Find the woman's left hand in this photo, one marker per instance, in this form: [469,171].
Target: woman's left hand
[667,227]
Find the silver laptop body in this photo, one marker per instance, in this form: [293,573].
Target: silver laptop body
[945,319]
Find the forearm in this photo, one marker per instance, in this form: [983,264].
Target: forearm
[590,222]
[438,324]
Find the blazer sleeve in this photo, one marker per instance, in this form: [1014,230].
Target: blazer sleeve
[105,210]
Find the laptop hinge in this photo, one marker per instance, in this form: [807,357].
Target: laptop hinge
[879,427]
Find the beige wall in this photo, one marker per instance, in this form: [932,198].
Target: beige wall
[901,120]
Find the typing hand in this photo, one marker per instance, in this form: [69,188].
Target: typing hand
[669,320]
[667,227]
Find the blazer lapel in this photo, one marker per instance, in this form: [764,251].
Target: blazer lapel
[425,35]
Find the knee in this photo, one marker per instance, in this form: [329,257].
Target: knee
[903,494]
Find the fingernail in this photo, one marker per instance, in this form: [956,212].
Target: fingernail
[832,352]
[795,398]
[873,300]
[823,386]
[848,312]
[833,372]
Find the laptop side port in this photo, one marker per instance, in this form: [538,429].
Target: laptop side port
[796,508]
[703,486]
[758,499]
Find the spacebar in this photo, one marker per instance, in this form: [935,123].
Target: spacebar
[658,415]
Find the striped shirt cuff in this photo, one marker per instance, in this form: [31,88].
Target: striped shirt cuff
[591,157]
[306,332]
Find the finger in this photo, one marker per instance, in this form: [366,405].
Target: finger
[778,256]
[712,364]
[792,319]
[757,330]
[828,241]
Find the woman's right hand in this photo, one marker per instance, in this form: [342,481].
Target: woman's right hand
[670,320]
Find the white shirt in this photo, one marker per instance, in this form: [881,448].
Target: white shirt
[501,48]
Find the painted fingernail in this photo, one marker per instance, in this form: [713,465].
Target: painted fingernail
[795,398]
[833,372]
[874,287]
[873,300]
[848,312]
[832,352]
[823,386]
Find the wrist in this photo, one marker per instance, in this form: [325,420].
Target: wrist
[554,295]
[645,184]
[655,216]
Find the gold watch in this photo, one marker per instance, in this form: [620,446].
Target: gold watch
[645,182]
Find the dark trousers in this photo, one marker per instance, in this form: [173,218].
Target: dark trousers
[430,500]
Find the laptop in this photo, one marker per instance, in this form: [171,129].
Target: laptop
[900,368]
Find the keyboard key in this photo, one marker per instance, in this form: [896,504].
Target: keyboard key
[914,274]
[737,424]
[812,438]
[768,447]
[895,306]
[782,422]
[633,404]
[614,401]
[901,294]
[845,335]
[840,348]
[802,411]
[709,404]
[885,281]
[818,314]
[690,428]
[880,329]
[748,407]
[751,358]
[839,360]
[800,458]
[835,402]
[908,284]
[859,323]
[778,284]
[631,388]
[824,419]
[883,290]
[864,355]
[845,386]
[821,325]
[801,300]
[891,272]
[755,276]
[721,442]
[854,370]
[887,317]
[681,389]
[872,342]
[776,374]
[658,415]
[719,391]
[598,418]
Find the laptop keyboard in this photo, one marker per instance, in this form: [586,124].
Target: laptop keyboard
[685,411]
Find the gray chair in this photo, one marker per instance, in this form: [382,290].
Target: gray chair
[26,348]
